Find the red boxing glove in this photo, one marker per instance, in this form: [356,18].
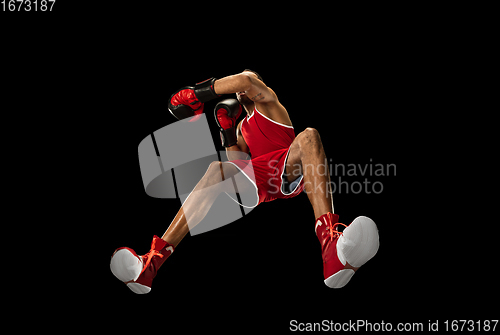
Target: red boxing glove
[226,115]
[186,97]
[189,101]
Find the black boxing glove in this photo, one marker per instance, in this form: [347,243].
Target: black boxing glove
[189,101]
[226,114]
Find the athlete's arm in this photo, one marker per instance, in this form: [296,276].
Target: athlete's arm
[246,82]
[241,146]
[264,97]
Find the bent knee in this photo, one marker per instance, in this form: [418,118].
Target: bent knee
[215,165]
[221,170]
[213,175]
[311,132]
[310,135]
[214,169]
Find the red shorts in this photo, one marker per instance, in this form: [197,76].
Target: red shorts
[266,174]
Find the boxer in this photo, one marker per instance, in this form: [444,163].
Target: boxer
[278,158]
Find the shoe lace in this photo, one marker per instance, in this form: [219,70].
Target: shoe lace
[149,256]
[334,233]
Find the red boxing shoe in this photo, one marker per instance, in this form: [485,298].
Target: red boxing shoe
[343,253]
[138,271]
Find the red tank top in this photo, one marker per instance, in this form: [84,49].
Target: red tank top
[263,135]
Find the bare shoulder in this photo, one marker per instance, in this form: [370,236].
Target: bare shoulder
[274,110]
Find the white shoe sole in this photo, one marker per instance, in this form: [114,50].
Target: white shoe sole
[125,265]
[138,288]
[339,279]
[357,245]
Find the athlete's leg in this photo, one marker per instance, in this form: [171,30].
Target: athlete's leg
[138,272]
[358,242]
[307,156]
[198,203]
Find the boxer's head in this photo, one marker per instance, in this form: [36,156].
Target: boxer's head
[242,98]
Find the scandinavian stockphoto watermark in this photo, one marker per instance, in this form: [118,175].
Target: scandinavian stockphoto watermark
[174,158]
[343,178]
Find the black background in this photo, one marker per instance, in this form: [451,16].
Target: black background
[266,268]
[103,79]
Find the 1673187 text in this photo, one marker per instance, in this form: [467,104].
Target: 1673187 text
[27,5]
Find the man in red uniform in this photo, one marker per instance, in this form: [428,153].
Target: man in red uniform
[281,166]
